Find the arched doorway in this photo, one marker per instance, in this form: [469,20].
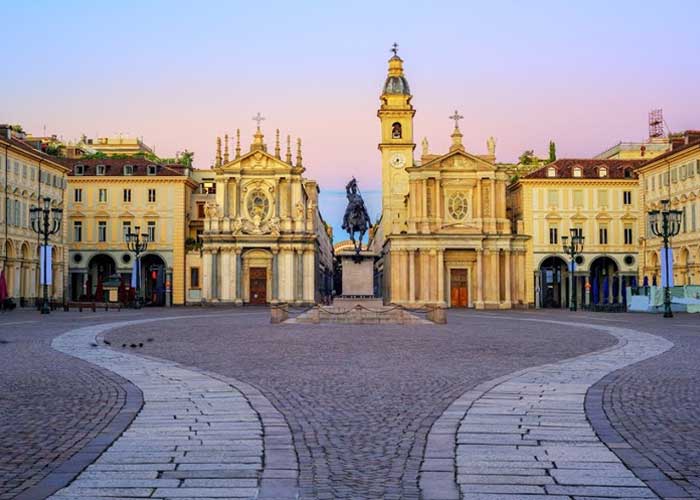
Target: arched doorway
[100,267]
[257,273]
[553,283]
[605,282]
[153,278]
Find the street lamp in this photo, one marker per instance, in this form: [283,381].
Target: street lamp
[572,250]
[45,226]
[137,243]
[670,227]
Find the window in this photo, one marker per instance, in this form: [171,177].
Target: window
[78,195]
[200,210]
[24,171]
[100,170]
[8,212]
[684,221]
[603,235]
[552,197]
[551,172]
[666,178]
[102,231]
[653,183]
[194,277]
[628,173]
[628,235]
[577,171]
[126,229]
[17,213]
[627,197]
[16,167]
[102,193]
[79,170]
[151,230]
[32,174]
[396,130]
[127,196]
[691,169]
[151,195]
[128,170]
[674,175]
[553,236]
[603,172]
[578,198]
[602,198]
[77,231]
[693,221]
[151,170]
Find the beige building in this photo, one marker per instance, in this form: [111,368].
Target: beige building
[597,198]
[26,177]
[262,236]
[117,145]
[106,199]
[444,237]
[674,176]
[635,150]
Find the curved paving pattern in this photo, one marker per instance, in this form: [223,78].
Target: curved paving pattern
[197,435]
[526,435]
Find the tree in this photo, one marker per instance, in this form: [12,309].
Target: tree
[527,158]
[552,152]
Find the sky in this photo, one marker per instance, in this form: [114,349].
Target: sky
[178,74]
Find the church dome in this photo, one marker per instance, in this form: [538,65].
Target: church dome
[396,82]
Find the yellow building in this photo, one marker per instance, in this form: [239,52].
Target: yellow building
[108,198]
[117,145]
[262,236]
[26,177]
[597,198]
[674,176]
[444,237]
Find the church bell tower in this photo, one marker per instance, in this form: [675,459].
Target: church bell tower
[396,117]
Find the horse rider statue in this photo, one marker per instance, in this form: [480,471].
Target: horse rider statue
[356,218]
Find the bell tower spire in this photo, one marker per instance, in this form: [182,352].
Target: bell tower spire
[396,144]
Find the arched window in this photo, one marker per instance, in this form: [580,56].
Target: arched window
[396,130]
[551,172]
[602,172]
[577,171]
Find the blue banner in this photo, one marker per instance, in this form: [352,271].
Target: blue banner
[666,280]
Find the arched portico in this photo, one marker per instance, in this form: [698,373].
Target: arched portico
[100,267]
[606,283]
[554,287]
[153,279]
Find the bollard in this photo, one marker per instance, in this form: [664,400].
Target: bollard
[437,315]
[278,315]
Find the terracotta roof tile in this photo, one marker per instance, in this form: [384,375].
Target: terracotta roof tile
[115,167]
[617,169]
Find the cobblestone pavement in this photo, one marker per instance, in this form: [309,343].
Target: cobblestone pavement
[653,408]
[528,434]
[51,405]
[361,400]
[196,435]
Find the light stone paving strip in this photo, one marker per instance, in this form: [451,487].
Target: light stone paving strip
[526,435]
[197,435]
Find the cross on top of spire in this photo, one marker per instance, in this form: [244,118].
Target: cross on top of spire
[456,117]
[394,48]
[258,118]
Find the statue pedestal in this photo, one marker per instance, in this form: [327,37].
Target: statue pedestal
[358,274]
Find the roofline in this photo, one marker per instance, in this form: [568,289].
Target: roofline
[669,154]
[34,153]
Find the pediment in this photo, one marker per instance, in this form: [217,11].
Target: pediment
[77,215]
[102,214]
[126,215]
[456,161]
[603,217]
[256,160]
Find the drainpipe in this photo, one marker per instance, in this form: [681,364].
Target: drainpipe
[4,249]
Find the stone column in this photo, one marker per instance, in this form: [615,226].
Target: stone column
[215,292]
[411,275]
[299,274]
[441,276]
[206,275]
[496,259]
[479,304]
[275,275]
[424,201]
[309,272]
[277,197]
[239,277]
[506,284]
[225,293]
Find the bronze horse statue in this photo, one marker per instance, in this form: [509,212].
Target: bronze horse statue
[356,218]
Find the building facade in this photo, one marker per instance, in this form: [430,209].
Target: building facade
[597,198]
[108,198]
[263,238]
[674,176]
[27,176]
[444,237]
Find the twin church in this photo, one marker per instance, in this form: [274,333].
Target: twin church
[443,238]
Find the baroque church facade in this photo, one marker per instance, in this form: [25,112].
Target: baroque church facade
[263,239]
[444,237]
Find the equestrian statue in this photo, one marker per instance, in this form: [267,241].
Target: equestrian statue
[356,218]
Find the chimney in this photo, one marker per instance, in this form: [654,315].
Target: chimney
[6,131]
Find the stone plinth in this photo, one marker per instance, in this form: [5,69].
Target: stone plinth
[358,273]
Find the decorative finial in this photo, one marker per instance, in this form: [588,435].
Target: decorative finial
[218,151]
[424,143]
[277,143]
[226,148]
[456,117]
[258,118]
[394,48]
[238,143]
[288,156]
[298,153]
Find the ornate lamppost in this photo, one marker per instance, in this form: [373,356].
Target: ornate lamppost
[670,227]
[572,249]
[45,222]
[137,243]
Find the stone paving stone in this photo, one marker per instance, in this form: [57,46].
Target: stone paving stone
[542,418]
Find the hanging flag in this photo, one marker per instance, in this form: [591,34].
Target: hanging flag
[662,262]
[135,270]
[45,269]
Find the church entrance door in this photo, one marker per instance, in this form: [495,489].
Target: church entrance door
[258,285]
[458,288]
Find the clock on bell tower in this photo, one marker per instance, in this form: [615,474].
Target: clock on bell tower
[396,117]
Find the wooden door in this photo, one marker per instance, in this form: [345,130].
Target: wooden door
[258,285]
[459,294]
